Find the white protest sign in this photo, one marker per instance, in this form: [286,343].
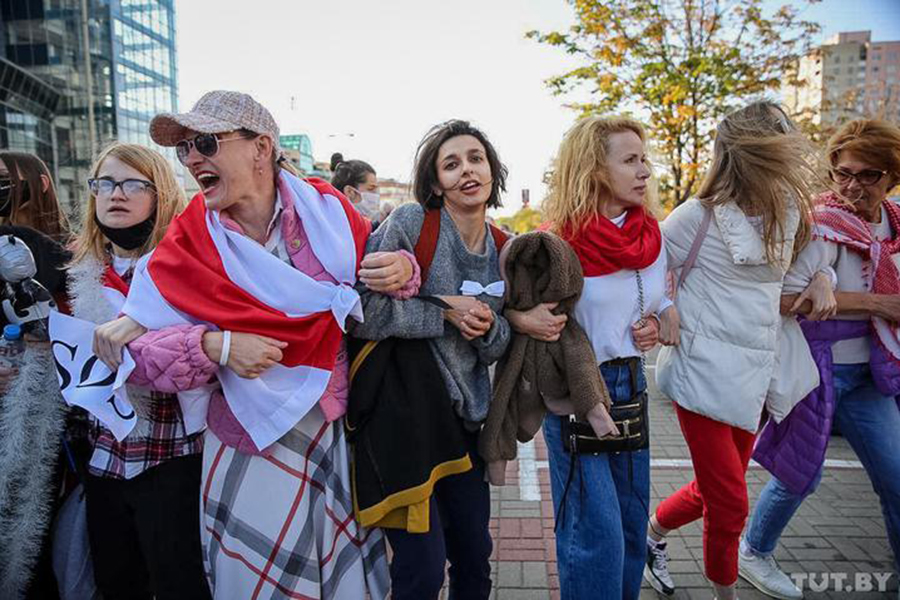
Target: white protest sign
[85,380]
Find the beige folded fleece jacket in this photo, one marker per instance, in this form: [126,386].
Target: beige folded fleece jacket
[534,376]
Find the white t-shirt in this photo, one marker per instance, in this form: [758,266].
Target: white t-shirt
[122,264]
[608,306]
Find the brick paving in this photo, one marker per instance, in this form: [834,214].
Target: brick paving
[837,530]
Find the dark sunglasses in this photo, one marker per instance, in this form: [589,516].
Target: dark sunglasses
[206,144]
[130,187]
[865,177]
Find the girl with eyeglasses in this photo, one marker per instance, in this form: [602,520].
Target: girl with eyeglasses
[142,493]
[854,337]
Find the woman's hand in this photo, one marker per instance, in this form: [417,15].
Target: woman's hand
[110,338]
[250,354]
[472,317]
[601,422]
[7,376]
[645,335]
[886,306]
[539,322]
[669,327]
[821,295]
[385,271]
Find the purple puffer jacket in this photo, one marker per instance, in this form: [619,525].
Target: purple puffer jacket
[794,450]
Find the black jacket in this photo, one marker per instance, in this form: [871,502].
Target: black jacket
[403,432]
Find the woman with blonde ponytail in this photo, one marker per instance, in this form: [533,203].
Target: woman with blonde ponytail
[751,217]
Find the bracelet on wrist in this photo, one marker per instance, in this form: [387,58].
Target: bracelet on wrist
[226,349]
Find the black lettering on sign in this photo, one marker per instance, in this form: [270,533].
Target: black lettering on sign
[112,400]
[86,371]
[64,375]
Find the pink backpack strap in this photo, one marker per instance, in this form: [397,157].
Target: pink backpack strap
[695,248]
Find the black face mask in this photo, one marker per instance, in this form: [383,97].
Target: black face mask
[5,204]
[6,196]
[129,238]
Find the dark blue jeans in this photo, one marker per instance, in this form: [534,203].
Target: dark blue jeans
[460,514]
[601,536]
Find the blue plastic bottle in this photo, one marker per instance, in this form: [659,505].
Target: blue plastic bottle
[12,347]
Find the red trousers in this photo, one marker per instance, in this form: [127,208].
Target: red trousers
[718,493]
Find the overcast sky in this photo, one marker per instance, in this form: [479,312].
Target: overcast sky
[385,71]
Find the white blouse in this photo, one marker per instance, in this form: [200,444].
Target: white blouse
[608,306]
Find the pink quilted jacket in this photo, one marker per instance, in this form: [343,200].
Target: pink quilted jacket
[172,359]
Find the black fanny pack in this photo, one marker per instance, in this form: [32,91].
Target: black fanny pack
[630,418]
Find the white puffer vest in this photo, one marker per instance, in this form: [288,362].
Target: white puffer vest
[736,352]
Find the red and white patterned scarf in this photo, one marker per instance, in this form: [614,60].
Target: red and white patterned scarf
[835,222]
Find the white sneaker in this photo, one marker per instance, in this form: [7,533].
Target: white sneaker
[656,571]
[763,574]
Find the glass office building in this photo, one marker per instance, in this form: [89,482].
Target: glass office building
[298,149]
[78,74]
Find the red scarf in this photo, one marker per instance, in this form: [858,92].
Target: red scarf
[604,248]
[114,281]
[837,223]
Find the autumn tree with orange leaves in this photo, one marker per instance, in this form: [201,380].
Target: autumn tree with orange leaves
[678,65]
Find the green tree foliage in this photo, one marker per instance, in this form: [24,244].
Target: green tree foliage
[527,219]
[680,65]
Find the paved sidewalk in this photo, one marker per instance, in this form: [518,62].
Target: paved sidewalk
[837,530]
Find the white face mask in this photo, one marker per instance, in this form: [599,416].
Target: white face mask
[369,203]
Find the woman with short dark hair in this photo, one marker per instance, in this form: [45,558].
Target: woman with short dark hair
[458,175]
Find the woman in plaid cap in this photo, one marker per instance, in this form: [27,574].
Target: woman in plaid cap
[268,262]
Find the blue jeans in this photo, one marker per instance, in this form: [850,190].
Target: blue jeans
[870,423]
[601,537]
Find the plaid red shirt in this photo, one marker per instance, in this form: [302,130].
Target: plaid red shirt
[155,439]
[159,433]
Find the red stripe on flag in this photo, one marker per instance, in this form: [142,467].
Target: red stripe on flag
[188,272]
